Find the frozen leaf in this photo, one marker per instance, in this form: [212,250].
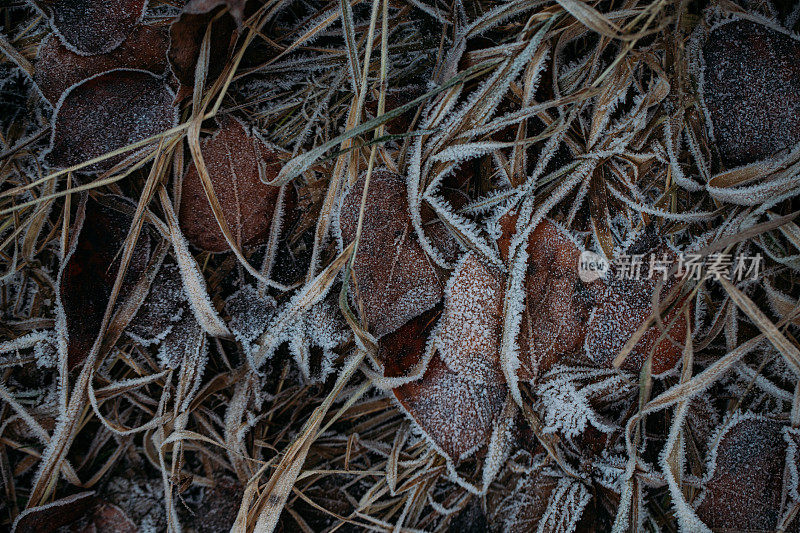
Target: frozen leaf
[250,314]
[188,31]
[557,302]
[395,278]
[88,274]
[751,88]
[89,27]
[743,486]
[623,306]
[107,112]
[544,503]
[238,164]
[455,413]
[58,68]
[108,518]
[183,341]
[163,307]
[468,338]
[51,516]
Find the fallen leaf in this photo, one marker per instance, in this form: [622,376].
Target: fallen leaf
[58,68]
[623,306]
[457,414]
[751,89]
[238,164]
[90,27]
[395,278]
[468,338]
[108,518]
[557,302]
[108,112]
[744,484]
[56,514]
[88,274]
[188,31]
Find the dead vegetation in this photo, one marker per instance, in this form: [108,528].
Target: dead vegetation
[308,266]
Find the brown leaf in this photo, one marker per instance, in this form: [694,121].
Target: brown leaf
[88,275]
[58,68]
[744,486]
[395,278]
[108,518]
[557,303]
[49,517]
[469,332]
[187,32]
[90,27]
[751,88]
[232,157]
[623,305]
[457,414]
[107,112]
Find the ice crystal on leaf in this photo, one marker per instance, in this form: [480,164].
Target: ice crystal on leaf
[394,277]
[749,69]
[58,68]
[456,413]
[89,27]
[469,332]
[107,112]
[238,165]
[743,484]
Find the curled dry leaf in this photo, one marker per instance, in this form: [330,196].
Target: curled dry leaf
[468,337]
[89,27]
[88,275]
[394,277]
[743,486]
[238,164]
[188,31]
[751,89]
[108,112]
[457,414]
[58,68]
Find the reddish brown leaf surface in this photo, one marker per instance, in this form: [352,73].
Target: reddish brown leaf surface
[752,90]
[108,112]
[58,68]
[87,278]
[50,517]
[557,303]
[90,27]
[623,306]
[456,413]
[471,326]
[232,157]
[188,31]
[745,485]
[108,518]
[395,278]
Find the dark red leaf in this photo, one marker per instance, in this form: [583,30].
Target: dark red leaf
[395,278]
[232,157]
[744,490]
[88,275]
[751,88]
[91,27]
[623,305]
[58,68]
[49,517]
[187,32]
[107,112]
